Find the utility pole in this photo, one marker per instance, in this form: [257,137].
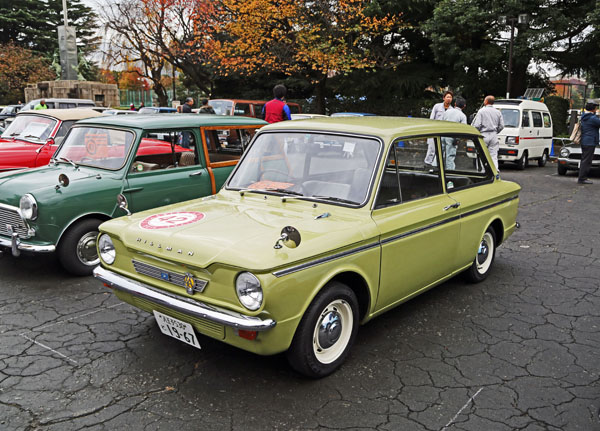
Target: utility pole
[521,19]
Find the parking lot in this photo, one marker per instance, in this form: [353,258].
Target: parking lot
[519,351]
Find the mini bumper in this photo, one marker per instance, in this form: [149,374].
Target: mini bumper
[16,245]
[181,304]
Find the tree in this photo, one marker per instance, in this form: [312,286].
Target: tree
[18,66]
[315,40]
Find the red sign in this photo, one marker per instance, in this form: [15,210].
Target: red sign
[167,220]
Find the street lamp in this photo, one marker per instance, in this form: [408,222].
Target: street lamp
[502,20]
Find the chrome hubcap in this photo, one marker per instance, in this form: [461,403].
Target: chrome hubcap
[483,252]
[330,329]
[86,249]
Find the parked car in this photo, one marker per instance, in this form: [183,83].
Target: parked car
[55,103]
[33,137]
[527,133]
[9,112]
[245,108]
[157,110]
[306,116]
[59,207]
[118,112]
[351,114]
[321,227]
[570,157]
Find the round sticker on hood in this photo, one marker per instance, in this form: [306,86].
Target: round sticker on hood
[167,220]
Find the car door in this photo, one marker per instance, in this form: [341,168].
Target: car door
[163,172]
[537,143]
[419,224]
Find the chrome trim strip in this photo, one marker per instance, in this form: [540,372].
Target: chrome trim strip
[316,262]
[184,305]
[28,247]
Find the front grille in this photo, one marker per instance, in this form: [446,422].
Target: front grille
[168,276]
[10,216]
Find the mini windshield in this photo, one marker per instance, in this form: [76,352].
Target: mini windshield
[95,146]
[511,117]
[31,128]
[319,166]
[221,107]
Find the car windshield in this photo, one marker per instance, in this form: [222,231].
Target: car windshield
[30,128]
[511,117]
[95,146]
[221,107]
[333,168]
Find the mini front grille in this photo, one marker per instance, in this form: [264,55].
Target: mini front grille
[168,276]
[10,216]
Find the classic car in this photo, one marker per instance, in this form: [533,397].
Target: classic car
[8,112]
[570,157]
[323,225]
[60,206]
[246,108]
[157,110]
[33,137]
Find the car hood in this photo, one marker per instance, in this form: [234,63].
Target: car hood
[241,231]
[38,181]
[17,145]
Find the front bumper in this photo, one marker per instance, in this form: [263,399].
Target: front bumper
[16,245]
[181,304]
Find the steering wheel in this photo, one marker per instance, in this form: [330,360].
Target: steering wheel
[262,175]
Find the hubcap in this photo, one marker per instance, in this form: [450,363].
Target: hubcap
[485,253]
[332,331]
[86,249]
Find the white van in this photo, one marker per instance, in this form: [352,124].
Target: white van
[527,132]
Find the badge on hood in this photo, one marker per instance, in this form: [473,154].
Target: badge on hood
[168,220]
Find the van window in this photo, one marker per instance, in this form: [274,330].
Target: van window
[537,119]
[525,122]
[510,117]
[547,121]
[65,105]
[242,109]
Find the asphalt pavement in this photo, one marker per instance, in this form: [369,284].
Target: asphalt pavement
[520,351]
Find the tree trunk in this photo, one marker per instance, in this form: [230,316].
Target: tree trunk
[320,96]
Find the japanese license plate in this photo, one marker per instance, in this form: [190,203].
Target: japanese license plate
[177,329]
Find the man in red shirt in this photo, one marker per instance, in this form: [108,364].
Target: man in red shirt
[277,110]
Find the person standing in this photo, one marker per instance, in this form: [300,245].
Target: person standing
[436,114]
[456,115]
[186,108]
[41,105]
[131,107]
[489,122]
[206,108]
[590,127]
[277,110]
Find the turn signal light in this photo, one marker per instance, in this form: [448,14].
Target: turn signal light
[248,335]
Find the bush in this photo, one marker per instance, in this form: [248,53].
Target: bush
[559,110]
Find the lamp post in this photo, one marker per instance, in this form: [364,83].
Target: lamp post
[520,19]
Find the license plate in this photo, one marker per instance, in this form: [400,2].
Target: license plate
[177,329]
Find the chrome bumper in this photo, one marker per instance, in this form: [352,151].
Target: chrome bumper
[181,304]
[16,245]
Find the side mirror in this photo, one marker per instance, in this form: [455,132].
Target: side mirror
[122,203]
[290,237]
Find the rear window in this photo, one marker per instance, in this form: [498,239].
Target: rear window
[547,121]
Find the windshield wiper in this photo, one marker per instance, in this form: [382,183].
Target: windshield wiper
[335,199]
[276,190]
[68,161]
[32,136]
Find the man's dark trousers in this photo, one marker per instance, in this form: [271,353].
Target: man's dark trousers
[587,155]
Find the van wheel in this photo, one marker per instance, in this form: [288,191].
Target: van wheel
[486,252]
[561,170]
[523,161]
[77,249]
[326,332]
[542,160]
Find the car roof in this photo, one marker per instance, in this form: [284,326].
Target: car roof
[384,127]
[150,121]
[523,103]
[64,114]
[246,101]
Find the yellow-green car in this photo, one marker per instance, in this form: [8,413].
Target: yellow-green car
[324,224]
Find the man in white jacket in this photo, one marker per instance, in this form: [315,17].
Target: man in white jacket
[489,122]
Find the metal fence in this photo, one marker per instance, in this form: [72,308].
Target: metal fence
[127,97]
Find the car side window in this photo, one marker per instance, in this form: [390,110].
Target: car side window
[64,128]
[537,119]
[525,122]
[406,177]
[547,121]
[165,149]
[465,163]
[242,109]
[226,144]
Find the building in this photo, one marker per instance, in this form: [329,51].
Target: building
[101,93]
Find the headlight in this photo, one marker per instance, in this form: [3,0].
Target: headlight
[28,207]
[564,152]
[512,140]
[249,291]
[106,249]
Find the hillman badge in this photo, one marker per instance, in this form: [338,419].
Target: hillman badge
[190,283]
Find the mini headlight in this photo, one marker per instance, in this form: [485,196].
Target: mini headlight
[249,291]
[564,152]
[106,248]
[28,207]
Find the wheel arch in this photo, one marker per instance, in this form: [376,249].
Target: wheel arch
[359,286]
[99,216]
[498,227]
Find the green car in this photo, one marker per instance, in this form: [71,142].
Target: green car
[323,225]
[150,160]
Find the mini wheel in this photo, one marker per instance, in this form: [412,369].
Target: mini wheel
[326,332]
[523,161]
[562,170]
[486,252]
[77,248]
[542,160]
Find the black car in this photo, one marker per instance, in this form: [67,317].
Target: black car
[9,112]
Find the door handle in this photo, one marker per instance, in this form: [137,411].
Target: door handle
[196,174]
[134,189]
[454,205]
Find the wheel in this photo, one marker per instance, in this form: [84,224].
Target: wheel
[523,161]
[482,264]
[284,174]
[561,169]
[77,249]
[326,332]
[542,160]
